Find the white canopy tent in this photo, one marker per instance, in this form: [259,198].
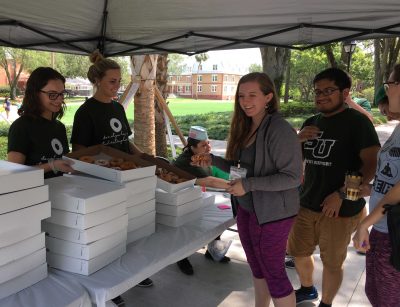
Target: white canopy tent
[122,27]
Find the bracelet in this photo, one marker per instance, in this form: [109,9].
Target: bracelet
[53,168]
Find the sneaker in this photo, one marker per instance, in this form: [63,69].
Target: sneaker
[224,259]
[302,297]
[289,262]
[145,283]
[119,301]
[185,266]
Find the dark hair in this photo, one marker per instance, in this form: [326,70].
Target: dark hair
[100,66]
[396,72]
[341,78]
[191,142]
[241,123]
[31,104]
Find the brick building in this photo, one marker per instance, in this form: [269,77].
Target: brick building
[209,83]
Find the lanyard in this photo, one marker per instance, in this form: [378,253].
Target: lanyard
[240,150]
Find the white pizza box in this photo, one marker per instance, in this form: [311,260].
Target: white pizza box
[179,197]
[141,232]
[84,195]
[85,267]
[85,236]
[16,177]
[135,187]
[146,168]
[208,199]
[21,249]
[167,186]
[141,221]
[179,210]
[20,218]
[22,265]
[142,197]
[85,251]
[23,281]
[24,198]
[177,221]
[142,209]
[24,232]
[85,221]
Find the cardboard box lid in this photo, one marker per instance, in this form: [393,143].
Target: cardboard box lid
[24,198]
[84,195]
[180,210]
[12,236]
[141,221]
[179,197]
[146,168]
[141,232]
[141,209]
[16,177]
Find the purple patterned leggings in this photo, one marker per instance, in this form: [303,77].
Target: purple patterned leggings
[265,248]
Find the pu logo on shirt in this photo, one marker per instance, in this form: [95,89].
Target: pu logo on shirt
[57,146]
[115,125]
[320,148]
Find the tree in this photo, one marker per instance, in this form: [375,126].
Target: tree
[200,58]
[161,83]
[255,67]
[14,61]
[176,65]
[274,61]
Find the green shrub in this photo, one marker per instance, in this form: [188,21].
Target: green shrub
[4,129]
[4,91]
[369,94]
[3,147]
[297,108]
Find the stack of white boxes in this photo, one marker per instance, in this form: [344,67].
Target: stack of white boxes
[141,205]
[87,229]
[175,208]
[23,204]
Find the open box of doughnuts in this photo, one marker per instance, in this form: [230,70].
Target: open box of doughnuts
[111,164]
[169,177]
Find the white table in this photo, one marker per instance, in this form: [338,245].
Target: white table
[149,255]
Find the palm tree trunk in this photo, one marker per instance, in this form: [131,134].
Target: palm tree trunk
[161,83]
[144,68]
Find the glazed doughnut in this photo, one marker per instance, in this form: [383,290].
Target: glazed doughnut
[116,162]
[102,162]
[87,159]
[116,168]
[127,165]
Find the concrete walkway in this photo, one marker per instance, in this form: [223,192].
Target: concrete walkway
[230,285]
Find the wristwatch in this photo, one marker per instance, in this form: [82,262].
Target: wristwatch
[342,195]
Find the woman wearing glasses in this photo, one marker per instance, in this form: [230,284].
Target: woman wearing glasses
[37,137]
[382,279]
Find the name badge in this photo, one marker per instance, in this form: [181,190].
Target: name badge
[237,172]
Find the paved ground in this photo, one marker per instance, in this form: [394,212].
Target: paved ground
[230,285]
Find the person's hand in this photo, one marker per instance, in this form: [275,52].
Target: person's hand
[331,205]
[236,188]
[365,190]
[202,160]
[63,166]
[308,133]
[361,239]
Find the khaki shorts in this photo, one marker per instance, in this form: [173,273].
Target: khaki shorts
[331,234]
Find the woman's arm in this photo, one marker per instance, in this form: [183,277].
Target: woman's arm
[213,182]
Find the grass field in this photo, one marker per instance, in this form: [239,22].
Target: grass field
[178,107]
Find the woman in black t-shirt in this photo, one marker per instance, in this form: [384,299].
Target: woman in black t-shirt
[38,138]
[101,120]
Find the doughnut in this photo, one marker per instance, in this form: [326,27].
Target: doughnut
[116,162]
[102,162]
[87,159]
[116,168]
[199,158]
[127,165]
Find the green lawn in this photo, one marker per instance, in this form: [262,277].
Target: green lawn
[178,107]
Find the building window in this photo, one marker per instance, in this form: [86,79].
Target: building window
[189,78]
[225,88]
[170,78]
[199,88]
[213,88]
[187,88]
[179,89]
[215,67]
[225,78]
[232,89]
[200,67]
[233,79]
[178,78]
[214,78]
[199,78]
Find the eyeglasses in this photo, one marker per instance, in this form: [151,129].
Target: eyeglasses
[54,95]
[386,85]
[325,92]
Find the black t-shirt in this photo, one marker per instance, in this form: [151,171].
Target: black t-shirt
[38,139]
[336,151]
[101,123]
[183,162]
